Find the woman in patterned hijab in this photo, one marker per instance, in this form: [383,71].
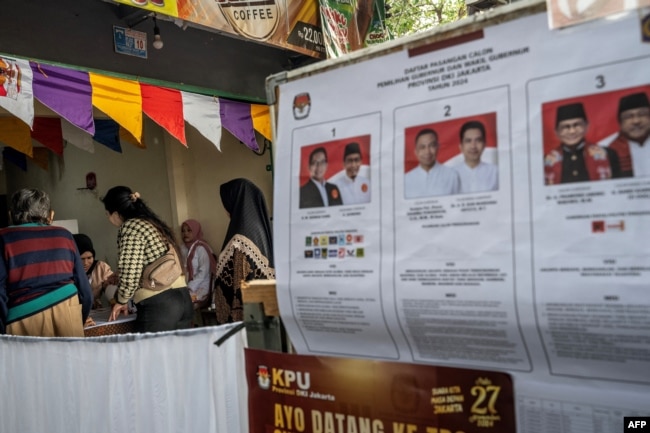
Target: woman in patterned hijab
[247,251]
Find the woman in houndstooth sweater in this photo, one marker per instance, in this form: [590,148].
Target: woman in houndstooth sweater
[142,238]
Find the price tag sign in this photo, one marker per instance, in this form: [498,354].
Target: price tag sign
[130,42]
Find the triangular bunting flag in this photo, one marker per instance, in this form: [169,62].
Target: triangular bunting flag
[107,132]
[236,118]
[41,157]
[18,158]
[165,107]
[126,136]
[202,112]
[66,92]
[77,137]
[16,94]
[16,134]
[120,100]
[262,120]
[47,131]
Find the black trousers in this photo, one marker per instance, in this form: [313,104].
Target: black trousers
[168,310]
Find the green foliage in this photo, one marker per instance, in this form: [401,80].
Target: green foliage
[406,17]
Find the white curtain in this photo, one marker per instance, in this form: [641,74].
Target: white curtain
[177,381]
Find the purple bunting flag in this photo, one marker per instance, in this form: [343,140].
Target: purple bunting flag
[236,118]
[66,92]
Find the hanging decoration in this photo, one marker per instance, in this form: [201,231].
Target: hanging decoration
[202,112]
[107,132]
[41,157]
[77,137]
[261,120]
[238,121]
[120,100]
[19,159]
[165,107]
[66,92]
[73,94]
[16,89]
[48,132]
[15,134]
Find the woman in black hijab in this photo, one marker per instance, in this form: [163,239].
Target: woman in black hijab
[247,251]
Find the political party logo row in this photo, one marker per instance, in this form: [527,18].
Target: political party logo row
[339,246]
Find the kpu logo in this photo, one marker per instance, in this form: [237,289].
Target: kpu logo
[301,106]
[263,377]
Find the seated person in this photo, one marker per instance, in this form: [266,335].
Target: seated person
[99,273]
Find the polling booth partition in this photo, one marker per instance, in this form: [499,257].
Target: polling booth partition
[164,382]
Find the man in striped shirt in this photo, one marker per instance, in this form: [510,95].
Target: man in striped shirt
[44,290]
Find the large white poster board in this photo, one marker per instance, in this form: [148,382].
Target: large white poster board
[534,262]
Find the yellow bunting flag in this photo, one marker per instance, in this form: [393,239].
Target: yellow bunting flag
[261,120]
[119,99]
[129,138]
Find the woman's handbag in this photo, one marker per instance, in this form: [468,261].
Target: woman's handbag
[162,272]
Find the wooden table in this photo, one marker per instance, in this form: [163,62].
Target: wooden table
[123,325]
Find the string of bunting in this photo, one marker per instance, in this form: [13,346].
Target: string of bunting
[72,94]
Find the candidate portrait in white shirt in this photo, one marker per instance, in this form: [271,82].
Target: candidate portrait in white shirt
[475,175]
[355,188]
[429,178]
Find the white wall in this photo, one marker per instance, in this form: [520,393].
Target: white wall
[176,182]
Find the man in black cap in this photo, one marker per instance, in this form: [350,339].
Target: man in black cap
[633,142]
[576,160]
[355,189]
[317,192]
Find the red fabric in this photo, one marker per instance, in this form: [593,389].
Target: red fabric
[165,107]
[596,160]
[622,148]
[47,131]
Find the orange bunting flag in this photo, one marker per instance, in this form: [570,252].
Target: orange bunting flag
[261,120]
[41,157]
[16,134]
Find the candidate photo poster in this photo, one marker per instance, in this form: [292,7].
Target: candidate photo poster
[549,280]
[335,248]
[596,219]
[451,153]
[335,161]
[591,124]
[453,177]
[449,139]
